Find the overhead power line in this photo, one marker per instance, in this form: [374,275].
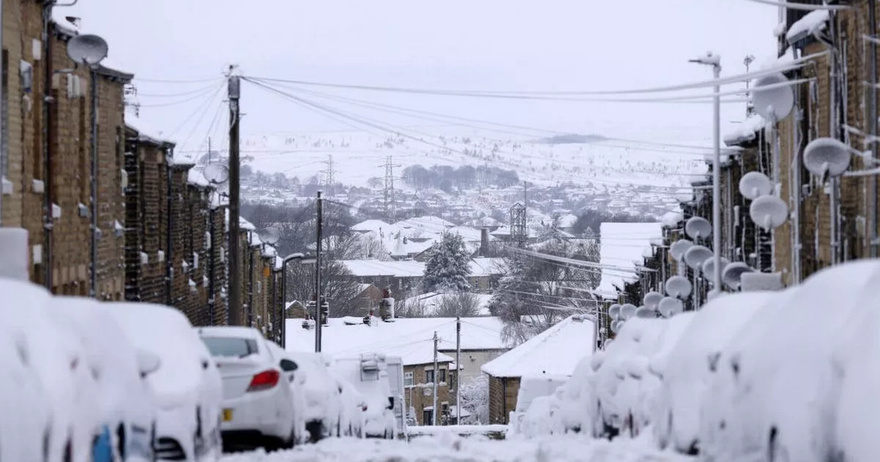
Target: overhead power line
[545,94]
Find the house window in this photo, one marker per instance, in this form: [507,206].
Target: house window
[429,376]
[442,375]
[408,379]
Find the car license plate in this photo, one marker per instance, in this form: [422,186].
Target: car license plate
[227,415]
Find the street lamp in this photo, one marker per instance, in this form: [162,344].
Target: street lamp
[301,258]
[714,60]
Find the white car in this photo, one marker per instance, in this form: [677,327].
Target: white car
[369,374]
[58,358]
[353,408]
[126,408]
[257,398]
[294,380]
[321,395]
[186,387]
[783,405]
[614,389]
[25,413]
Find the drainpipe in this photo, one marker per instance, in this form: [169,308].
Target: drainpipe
[211,266]
[48,224]
[2,100]
[796,183]
[169,266]
[872,123]
[93,282]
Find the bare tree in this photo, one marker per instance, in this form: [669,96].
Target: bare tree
[464,304]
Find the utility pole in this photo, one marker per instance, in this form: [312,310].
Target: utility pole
[234,90]
[457,370]
[318,302]
[434,419]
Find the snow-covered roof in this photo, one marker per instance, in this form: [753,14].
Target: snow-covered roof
[246,225]
[373,226]
[409,338]
[145,132]
[620,250]
[746,131]
[813,22]
[556,351]
[195,177]
[429,223]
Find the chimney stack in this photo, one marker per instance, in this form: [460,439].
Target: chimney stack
[484,242]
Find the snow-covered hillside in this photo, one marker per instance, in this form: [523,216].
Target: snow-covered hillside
[358,157]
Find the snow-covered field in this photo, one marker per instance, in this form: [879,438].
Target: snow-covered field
[449,448]
[359,156]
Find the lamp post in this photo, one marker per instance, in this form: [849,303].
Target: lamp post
[711,59]
[301,258]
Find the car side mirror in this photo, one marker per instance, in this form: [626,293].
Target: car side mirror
[205,364]
[390,402]
[288,365]
[147,362]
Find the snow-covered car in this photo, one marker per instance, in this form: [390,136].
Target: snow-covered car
[573,396]
[369,374]
[624,363]
[293,381]
[321,400]
[531,388]
[858,410]
[652,383]
[353,406]
[692,362]
[784,376]
[541,418]
[187,388]
[125,407]
[257,403]
[25,412]
[59,359]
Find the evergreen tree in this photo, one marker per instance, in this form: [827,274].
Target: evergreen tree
[448,267]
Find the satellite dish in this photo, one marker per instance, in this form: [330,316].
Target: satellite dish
[627,311]
[696,256]
[216,173]
[776,102]
[652,300]
[270,235]
[87,49]
[645,313]
[732,275]
[679,248]
[614,311]
[678,286]
[670,307]
[709,266]
[769,212]
[827,156]
[754,185]
[698,228]
[615,326]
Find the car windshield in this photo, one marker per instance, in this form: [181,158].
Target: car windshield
[230,346]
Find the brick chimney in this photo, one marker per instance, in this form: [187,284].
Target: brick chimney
[484,242]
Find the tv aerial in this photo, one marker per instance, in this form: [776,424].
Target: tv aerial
[87,49]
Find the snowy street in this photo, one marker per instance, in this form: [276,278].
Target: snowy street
[448,448]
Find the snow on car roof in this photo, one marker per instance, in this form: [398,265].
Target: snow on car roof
[620,246]
[555,351]
[409,338]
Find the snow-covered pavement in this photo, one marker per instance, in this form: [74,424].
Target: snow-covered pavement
[450,448]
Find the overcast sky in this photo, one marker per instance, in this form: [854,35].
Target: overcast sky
[513,45]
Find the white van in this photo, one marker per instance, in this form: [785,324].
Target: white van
[369,374]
